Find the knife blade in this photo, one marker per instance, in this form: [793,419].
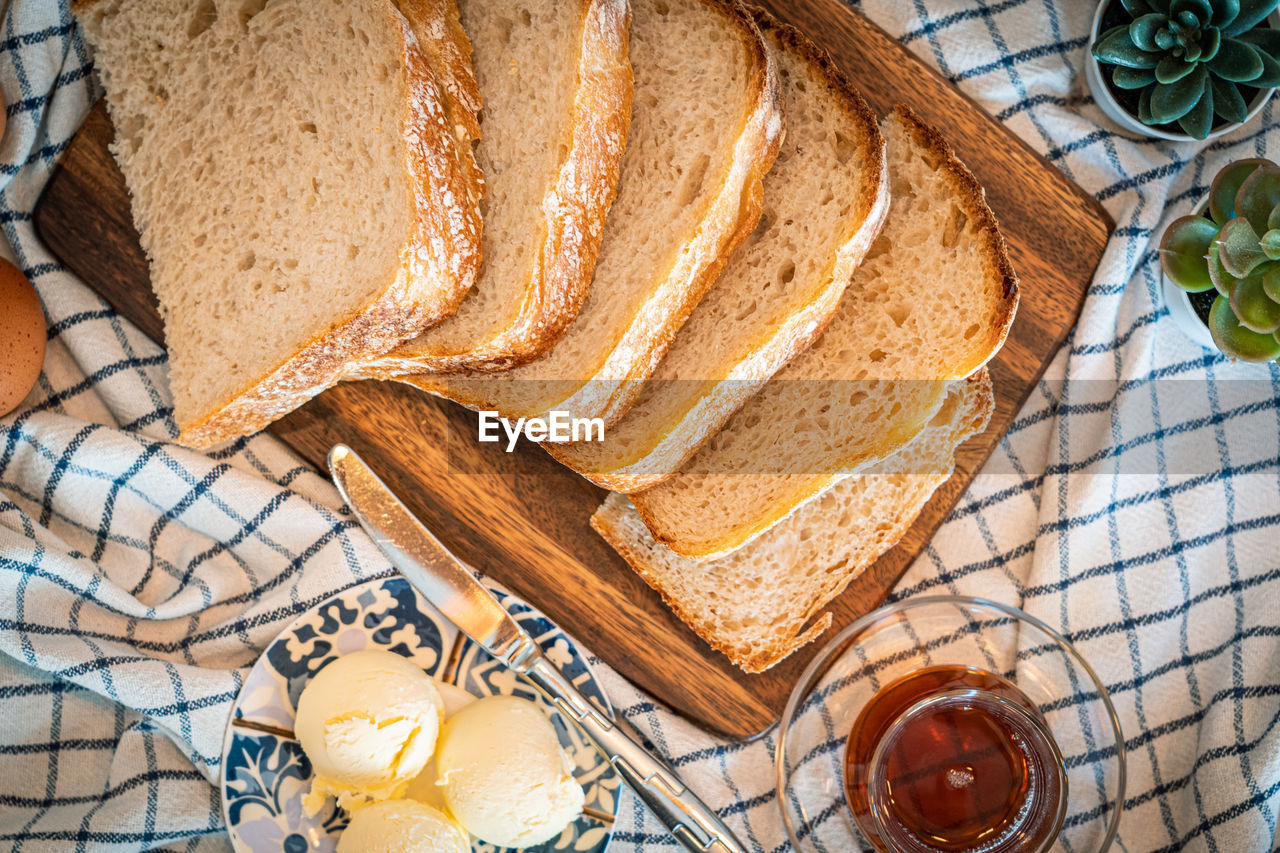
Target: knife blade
[429,566]
[453,588]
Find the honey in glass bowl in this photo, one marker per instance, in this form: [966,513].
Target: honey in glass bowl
[953,758]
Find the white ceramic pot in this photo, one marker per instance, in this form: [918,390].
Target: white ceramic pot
[1121,116]
[1185,317]
[1179,301]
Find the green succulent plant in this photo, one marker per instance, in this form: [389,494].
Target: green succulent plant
[1188,58]
[1235,250]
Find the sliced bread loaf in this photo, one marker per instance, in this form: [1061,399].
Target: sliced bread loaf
[557,86]
[933,301]
[754,604]
[705,127]
[825,200]
[298,186]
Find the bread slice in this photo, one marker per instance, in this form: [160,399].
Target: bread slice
[933,301]
[705,127]
[299,188]
[825,201]
[754,604]
[557,86]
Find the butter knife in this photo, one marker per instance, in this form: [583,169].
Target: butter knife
[449,584]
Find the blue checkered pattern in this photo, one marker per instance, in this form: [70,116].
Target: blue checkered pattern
[1138,514]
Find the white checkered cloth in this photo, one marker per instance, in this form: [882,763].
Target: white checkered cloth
[1135,505]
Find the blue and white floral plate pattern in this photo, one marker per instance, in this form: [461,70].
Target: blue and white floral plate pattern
[265,775]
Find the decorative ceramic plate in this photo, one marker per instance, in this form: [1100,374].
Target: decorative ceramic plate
[265,772]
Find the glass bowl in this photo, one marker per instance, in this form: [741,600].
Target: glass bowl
[935,631]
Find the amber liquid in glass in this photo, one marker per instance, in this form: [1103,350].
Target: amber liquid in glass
[968,773]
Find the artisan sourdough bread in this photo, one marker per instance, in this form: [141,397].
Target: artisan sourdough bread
[705,127]
[933,301]
[754,604]
[556,83]
[300,189]
[825,200]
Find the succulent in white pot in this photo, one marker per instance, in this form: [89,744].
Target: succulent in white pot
[1228,261]
[1184,69]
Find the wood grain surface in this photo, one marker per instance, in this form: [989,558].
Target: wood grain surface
[521,517]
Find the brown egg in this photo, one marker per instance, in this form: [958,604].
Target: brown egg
[22,337]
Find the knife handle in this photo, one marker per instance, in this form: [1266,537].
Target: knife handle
[690,821]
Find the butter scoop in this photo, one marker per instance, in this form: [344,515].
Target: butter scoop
[503,773]
[368,723]
[402,826]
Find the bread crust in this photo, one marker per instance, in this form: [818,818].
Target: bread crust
[574,211]
[681,436]
[443,246]
[978,405]
[728,220]
[437,26]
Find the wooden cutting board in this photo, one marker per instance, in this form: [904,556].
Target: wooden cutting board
[522,518]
